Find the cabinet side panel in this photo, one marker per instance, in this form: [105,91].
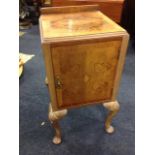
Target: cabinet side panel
[49,73]
[86,72]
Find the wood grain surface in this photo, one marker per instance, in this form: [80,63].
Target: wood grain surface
[57,24]
[84,53]
[86,71]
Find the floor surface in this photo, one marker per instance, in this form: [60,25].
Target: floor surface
[83,132]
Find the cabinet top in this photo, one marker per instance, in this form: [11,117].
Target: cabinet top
[75,21]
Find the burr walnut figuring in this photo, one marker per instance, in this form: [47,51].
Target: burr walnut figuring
[84,53]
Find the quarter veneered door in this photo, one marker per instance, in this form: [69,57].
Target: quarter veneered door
[85,73]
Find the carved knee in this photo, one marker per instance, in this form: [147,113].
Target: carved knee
[57,115]
[112,106]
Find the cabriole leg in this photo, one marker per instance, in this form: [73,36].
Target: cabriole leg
[54,118]
[113,108]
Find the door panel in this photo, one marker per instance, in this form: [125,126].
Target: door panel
[85,73]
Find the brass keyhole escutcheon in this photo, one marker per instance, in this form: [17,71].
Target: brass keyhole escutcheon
[58,83]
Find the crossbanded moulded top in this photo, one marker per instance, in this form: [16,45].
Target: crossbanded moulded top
[75,21]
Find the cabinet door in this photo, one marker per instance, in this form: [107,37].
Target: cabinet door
[85,73]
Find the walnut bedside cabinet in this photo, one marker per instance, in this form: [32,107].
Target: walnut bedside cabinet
[84,53]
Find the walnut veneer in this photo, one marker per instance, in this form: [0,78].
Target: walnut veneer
[84,53]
